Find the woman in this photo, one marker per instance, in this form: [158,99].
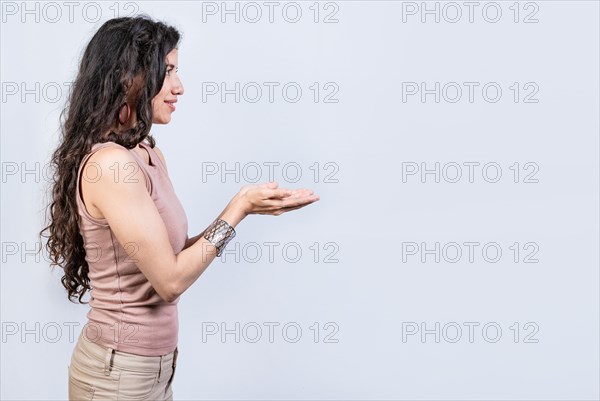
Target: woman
[116,226]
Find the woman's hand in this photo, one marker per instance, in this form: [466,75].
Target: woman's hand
[269,199]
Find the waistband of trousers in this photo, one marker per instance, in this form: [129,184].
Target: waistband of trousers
[125,360]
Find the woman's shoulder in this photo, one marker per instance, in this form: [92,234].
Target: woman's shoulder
[109,167]
[107,152]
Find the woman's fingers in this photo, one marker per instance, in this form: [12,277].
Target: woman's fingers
[276,193]
[290,202]
[278,212]
[288,209]
[271,190]
[268,198]
[270,185]
[298,193]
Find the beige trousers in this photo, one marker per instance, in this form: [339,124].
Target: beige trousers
[100,373]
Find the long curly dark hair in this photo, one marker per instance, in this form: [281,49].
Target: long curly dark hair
[125,61]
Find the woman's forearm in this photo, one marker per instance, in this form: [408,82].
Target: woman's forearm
[199,252]
[191,241]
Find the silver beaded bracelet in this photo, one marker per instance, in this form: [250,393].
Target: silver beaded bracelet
[219,233]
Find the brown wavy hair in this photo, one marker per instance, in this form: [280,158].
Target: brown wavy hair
[125,61]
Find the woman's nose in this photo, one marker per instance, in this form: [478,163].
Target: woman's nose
[178,89]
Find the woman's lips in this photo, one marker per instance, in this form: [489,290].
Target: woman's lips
[171,105]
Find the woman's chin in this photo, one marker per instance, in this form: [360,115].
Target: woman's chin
[162,120]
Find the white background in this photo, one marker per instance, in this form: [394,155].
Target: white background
[373,291]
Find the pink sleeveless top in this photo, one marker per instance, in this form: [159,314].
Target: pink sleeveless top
[126,313]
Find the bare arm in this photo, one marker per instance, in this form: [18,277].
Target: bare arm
[134,219]
[191,241]
[192,261]
[123,199]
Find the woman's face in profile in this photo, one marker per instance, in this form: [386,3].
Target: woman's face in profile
[163,104]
